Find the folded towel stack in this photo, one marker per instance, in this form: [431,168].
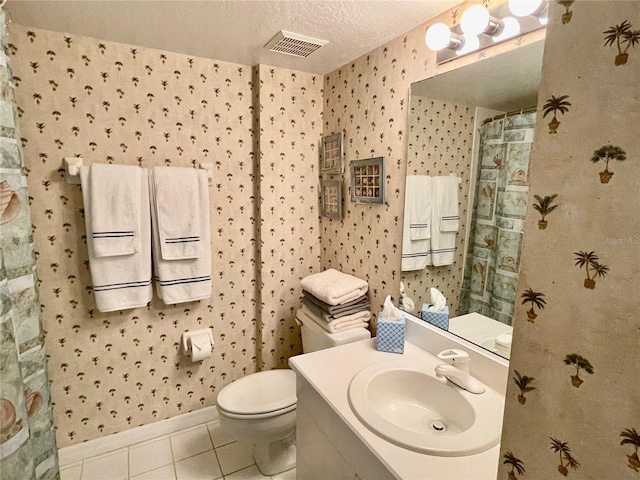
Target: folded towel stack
[335,301]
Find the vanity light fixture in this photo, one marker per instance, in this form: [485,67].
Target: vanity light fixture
[511,28]
[471,44]
[439,36]
[476,20]
[480,28]
[523,8]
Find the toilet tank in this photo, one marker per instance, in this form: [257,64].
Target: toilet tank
[314,337]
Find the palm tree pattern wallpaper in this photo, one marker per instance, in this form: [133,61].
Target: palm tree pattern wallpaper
[593,426]
[440,143]
[574,368]
[115,103]
[368,100]
[290,126]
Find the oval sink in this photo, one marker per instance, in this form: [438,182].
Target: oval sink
[404,403]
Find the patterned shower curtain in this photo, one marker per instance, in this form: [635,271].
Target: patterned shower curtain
[27,438]
[495,239]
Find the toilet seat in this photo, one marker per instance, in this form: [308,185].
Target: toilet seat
[259,395]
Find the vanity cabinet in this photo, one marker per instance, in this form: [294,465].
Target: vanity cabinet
[326,448]
[333,444]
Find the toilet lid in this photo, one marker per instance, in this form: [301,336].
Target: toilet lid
[260,392]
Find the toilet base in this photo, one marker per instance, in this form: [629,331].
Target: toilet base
[275,457]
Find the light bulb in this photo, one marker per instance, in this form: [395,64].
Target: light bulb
[438,36]
[522,8]
[511,29]
[471,43]
[475,20]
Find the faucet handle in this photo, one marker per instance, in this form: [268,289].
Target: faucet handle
[456,357]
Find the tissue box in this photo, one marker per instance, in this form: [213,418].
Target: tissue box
[390,335]
[439,319]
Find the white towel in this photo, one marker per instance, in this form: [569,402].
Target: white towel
[114,209]
[419,203]
[334,287]
[124,281]
[328,317]
[357,320]
[445,202]
[416,254]
[179,281]
[178,212]
[446,192]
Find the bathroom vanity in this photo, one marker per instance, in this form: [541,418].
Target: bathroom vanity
[332,442]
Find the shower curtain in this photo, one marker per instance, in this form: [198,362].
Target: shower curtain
[495,239]
[27,438]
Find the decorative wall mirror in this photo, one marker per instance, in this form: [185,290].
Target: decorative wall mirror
[332,154]
[475,122]
[331,192]
[367,180]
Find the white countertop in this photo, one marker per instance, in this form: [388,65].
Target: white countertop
[480,330]
[330,372]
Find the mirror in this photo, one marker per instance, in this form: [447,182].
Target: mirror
[477,123]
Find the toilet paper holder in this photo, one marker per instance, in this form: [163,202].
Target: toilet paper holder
[187,346]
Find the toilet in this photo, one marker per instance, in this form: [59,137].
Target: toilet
[260,408]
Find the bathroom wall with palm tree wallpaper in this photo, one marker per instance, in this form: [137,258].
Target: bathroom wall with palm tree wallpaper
[290,126]
[110,102]
[575,368]
[368,99]
[440,142]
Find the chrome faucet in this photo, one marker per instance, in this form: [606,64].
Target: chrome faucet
[457,371]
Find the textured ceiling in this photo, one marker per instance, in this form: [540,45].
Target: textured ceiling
[236,30]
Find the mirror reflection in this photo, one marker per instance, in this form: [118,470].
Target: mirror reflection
[475,123]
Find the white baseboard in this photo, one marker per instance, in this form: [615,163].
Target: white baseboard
[76,453]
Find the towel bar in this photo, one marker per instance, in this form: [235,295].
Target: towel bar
[72,169]
[209,168]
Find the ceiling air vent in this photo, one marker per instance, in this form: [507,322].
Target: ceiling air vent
[294,44]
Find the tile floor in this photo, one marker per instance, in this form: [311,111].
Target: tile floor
[203,452]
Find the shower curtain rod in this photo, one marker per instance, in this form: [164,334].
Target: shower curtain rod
[510,114]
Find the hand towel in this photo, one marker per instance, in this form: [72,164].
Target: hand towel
[359,320]
[179,281]
[177,209]
[334,287]
[115,209]
[445,201]
[418,202]
[359,304]
[329,317]
[124,281]
[416,254]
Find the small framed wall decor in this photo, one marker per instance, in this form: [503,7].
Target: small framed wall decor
[367,180]
[332,151]
[331,191]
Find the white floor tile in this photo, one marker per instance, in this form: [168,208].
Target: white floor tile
[184,455]
[190,442]
[71,472]
[200,467]
[150,455]
[288,475]
[219,436]
[235,456]
[111,466]
[251,473]
[163,473]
